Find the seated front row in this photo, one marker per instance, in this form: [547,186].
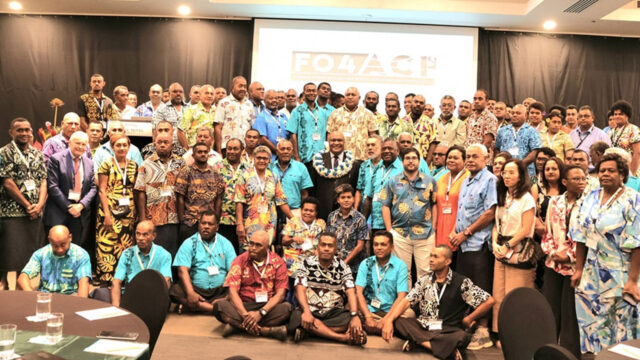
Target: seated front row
[247,292]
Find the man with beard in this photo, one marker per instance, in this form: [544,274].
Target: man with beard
[464,110]
[172,111]
[94,106]
[424,130]
[371,100]
[392,125]
[450,130]
[293,175]
[324,94]
[368,168]
[256,96]
[290,102]
[197,116]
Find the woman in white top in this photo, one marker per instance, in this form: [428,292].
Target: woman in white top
[514,221]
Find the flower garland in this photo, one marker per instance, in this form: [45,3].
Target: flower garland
[342,169]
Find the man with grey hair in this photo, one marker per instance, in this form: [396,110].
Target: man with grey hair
[204,135]
[105,151]
[234,115]
[196,116]
[121,102]
[439,162]
[71,189]
[293,175]
[155,103]
[476,211]
[449,128]
[271,123]
[355,122]
[58,143]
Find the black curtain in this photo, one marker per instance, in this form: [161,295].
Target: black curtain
[560,69]
[43,57]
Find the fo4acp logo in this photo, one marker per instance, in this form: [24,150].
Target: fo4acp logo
[364,67]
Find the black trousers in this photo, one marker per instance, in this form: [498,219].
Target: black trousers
[229,232]
[226,313]
[333,318]
[561,296]
[477,266]
[443,342]
[186,232]
[167,237]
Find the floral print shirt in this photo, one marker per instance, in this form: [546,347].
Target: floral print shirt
[355,125]
[294,253]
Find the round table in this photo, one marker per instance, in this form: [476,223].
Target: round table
[610,355]
[17,305]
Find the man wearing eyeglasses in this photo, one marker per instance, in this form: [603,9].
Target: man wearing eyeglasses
[438,164]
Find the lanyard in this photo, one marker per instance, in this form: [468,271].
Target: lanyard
[551,140]
[124,175]
[22,157]
[277,120]
[153,253]
[607,205]
[582,139]
[452,182]
[207,249]
[435,290]
[309,227]
[380,278]
[260,184]
[569,210]
[615,139]
[385,174]
[261,273]
[315,118]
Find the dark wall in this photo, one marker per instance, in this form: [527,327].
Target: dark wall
[42,57]
[564,69]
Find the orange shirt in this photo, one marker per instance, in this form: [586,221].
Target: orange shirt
[447,206]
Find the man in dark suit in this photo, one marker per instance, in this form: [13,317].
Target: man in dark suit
[71,189]
[338,167]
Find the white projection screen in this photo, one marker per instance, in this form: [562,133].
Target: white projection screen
[428,60]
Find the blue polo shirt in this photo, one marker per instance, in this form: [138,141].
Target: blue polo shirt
[394,277]
[526,139]
[305,122]
[410,203]
[59,274]
[423,168]
[439,172]
[157,259]
[381,175]
[477,195]
[193,255]
[105,152]
[273,126]
[294,179]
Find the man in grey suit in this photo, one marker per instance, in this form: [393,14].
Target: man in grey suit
[71,189]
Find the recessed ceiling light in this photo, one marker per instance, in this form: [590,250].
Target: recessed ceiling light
[549,25]
[184,10]
[14,5]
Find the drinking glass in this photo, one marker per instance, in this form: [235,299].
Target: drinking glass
[7,340]
[54,327]
[43,306]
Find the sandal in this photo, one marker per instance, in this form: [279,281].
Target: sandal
[407,346]
[299,335]
[361,341]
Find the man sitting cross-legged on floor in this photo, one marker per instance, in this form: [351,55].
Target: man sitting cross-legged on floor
[326,295]
[203,261]
[381,282]
[443,297]
[257,283]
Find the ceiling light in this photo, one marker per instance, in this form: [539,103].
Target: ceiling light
[14,5]
[184,10]
[549,25]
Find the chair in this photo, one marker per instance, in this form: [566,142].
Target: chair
[147,296]
[553,352]
[525,323]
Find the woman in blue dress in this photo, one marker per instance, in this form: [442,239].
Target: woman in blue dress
[607,235]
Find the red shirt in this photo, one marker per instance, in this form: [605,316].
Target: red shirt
[244,277]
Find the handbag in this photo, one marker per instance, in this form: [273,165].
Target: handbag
[525,255]
[119,211]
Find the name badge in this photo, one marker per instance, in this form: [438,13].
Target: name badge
[306,245]
[123,201]
[316,137]
[376,197]
[213,270]
[514,151]
[263,208]
[347,134]
[446,209]
[376,303]
[166,192]
[74,196]
[30,185]
[435,325]
[262,296]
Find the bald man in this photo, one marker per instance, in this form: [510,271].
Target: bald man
[154,104]
[58,143]
[271,123]
[355,122]
[257,283]
[64,268]
[144,255]
[256,96]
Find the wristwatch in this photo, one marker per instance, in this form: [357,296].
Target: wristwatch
[263,312]
[507,245]
[353,313]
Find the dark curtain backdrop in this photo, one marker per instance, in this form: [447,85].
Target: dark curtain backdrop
[42,57]
[560,69]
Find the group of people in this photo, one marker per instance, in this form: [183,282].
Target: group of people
[294,215]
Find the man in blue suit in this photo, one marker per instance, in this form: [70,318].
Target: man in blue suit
[71,189]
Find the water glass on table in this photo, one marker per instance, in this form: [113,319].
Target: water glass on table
[7,340]
[43,306]
[54,327]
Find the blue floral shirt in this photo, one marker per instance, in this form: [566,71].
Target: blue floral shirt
[349,230]
[59,274]
[526,139]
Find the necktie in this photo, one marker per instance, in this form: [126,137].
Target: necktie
[336,161]
[77,180]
